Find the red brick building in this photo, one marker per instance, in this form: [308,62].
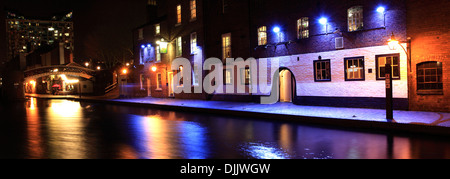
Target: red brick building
[331,53]
[428,28]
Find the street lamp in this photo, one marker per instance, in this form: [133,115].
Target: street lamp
[154,68]
[124,71]
[86,64]
[393,43]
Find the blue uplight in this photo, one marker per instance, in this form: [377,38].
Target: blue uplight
[323,20]
[381,9]
[276,29]
[148,45]
[143,46]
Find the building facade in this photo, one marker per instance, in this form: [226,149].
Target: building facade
[430,54]
[330,53]
[25,35]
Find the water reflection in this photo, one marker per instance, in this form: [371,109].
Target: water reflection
[69,129]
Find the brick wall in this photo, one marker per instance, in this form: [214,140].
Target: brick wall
[428,28]
[286,14]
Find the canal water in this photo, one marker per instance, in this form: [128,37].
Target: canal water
[60,129]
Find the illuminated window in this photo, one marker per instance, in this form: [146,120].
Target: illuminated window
[157,29]
[302,28]
[194,43]
[226,45]
[228,77]
[151,2]
[179,48]
[142,56]
[429,76]
[262,35]
[193,6]
[354,68]
[158,54]
[381,61]
[195,75]
[245,73]
[141,80]
[322,70]
[178,14]
[159,81]
[355,18]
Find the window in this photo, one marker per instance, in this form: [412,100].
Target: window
[245,73]
[195,76]
[178,14]
[226,45]
[158,54]
[262,35]
[142,82]
[159,81]
[142,55]
[381,61]
[302,28]
[151,2]
[179,48]
[157,29]
[193,5]
[194,43]
[355,18]
[429,76]
[322,70]
[228,77]
[354,68]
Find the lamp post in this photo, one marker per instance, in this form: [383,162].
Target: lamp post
[393,43]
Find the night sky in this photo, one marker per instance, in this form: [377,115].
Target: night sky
[101,27]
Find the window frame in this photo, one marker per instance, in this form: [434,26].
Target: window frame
[195,75]
[193,9]
[159,81]
[193,43]
[301,29]
[262,35]
[179,20]
[355,20]
[363,76]
[158,54]
[179,46]
[226,47]
[315,70]
[225,76]
[439,75]
[377,66]
[157,29]
[246,76]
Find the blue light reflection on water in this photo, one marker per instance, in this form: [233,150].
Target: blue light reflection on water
[156,138]
[193,138]
[264,150]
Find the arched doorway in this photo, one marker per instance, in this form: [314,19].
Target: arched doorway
[287,85]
